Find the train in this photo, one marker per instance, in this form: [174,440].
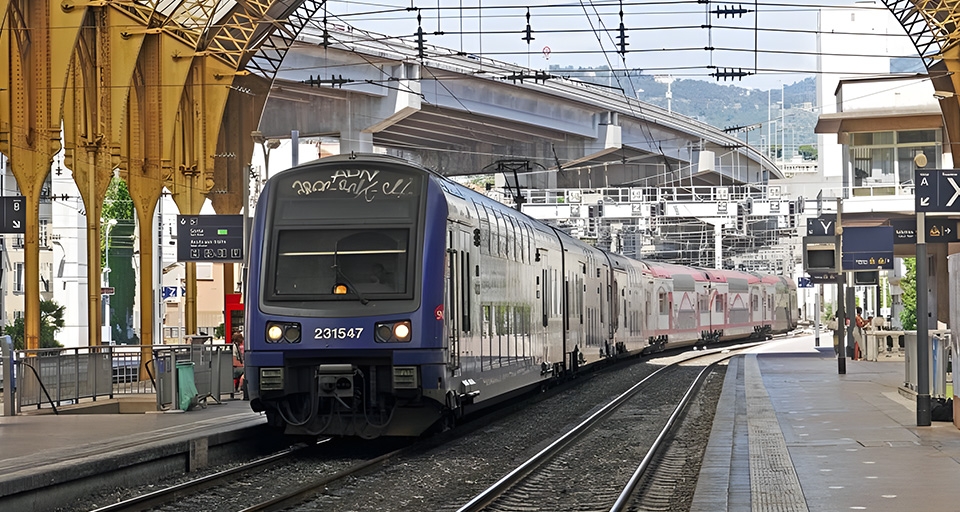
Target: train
[383,299]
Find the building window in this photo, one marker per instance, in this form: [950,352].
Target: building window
[44,233]
[887,158]
[18,278]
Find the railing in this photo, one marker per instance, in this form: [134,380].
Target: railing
[64,376]
[212,367]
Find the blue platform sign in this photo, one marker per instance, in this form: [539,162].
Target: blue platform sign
[936,190]
[804,282]
[171,292]
[868,248]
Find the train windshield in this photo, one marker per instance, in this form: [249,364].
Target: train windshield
[370,263]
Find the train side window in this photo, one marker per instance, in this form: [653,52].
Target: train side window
[755,302]
[719,301]
[662,299]
[507,236]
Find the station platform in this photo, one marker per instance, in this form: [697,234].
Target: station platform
[792,434]
[43,451]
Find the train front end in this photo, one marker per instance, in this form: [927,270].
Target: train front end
[345,298]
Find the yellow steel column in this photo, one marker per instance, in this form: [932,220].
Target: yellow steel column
[147,143]
[202,108]
[93,128]
[241,117]
[33,74]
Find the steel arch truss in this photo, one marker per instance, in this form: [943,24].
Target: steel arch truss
[229,30]
[272,46]
[931,24]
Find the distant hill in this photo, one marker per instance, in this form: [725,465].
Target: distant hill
[721,104]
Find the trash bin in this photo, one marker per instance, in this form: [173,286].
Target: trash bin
[186,387]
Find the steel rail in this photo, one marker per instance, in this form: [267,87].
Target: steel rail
[510,479]
[310,490]
[671,426]
[171,493]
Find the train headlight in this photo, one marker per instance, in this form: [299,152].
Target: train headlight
[274,332]
[340,289]
[401,331]
[291,333]
[288,332]
[393,332]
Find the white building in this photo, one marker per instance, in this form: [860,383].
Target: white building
[875,121]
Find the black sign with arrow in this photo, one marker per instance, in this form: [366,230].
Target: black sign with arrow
[824,225]
[938,231]
[937,190]
[14,214]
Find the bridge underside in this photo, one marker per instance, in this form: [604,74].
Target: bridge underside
[458,120]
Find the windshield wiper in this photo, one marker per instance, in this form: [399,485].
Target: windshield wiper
[336,267]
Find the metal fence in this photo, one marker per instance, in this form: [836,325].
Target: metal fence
[64,376]
[211,367]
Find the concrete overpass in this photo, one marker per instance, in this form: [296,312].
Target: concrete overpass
[461,114]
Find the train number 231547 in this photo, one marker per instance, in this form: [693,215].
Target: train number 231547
[337,333]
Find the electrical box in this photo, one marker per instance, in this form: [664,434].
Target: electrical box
[820,254]
[866,278]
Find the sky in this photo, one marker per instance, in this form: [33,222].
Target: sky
[775,43]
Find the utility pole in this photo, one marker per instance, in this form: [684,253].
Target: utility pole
[923,341]
[923,198]
[841,285]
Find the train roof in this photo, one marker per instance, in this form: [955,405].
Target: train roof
[666,270]
[722,275]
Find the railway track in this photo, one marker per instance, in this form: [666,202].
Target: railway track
[589,467]
[274,482]
[339,475]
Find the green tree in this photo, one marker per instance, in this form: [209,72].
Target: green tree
[827,313]
[808,152]
[51,321]
[908,316]
[118,257]
[117,206]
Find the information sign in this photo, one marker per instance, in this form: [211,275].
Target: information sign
[867,248]
[937,190]
[14,210]
[804,282]
[210,238]
[939,230]
[824,278]
[823,225]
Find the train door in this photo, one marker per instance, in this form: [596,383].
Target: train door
[718,309]
[704,294]
[606,290]
[618,306]
[765,306]
[456,313]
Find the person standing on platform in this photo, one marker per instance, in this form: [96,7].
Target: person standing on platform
[237,341]
[858,334]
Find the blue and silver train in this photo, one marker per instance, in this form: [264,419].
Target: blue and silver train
[385,299]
